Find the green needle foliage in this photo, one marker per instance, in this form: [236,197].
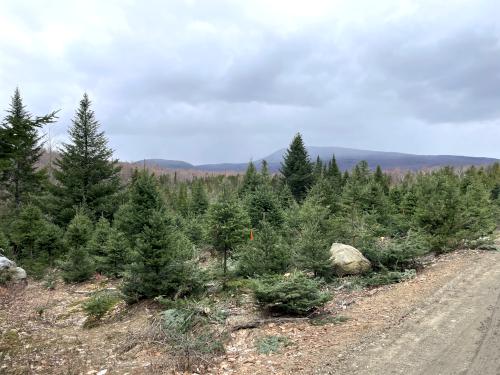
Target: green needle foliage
[228,226]
[116,255]
[99,239]
[297,170]
[5,248]
[162,262]
[267,254]
[144,199]
[86,173]
[263,205]
[155,231]
[20,151]
[78,265]
[294,294]
[199,199]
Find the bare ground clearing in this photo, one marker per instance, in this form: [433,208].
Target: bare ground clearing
[445,321]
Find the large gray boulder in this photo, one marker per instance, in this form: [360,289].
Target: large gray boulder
[347,260]
[6,263]
[19,274]
[9,272]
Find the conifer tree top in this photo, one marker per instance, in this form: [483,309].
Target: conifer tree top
[297,169]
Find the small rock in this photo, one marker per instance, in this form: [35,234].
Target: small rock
[102,372]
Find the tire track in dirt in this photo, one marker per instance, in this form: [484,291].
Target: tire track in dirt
[456,331]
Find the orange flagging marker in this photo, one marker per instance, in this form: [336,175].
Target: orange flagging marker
[251,234]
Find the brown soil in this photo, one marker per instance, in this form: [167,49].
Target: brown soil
[457,290]
[402,328]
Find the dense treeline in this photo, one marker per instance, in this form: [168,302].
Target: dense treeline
[155,233]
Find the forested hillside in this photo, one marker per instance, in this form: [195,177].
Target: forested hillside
[184,243]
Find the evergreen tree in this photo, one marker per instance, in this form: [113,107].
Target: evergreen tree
[99,238]
[438,208]
[324,192]
[318,168]
[345,178]
[311,245]
[199,199]
[49,244]
[5,249]
[116,254]
[78,265]
[228,226]
[478,213]
[264,172]
[267,254]
[264,205]
[36,242]
[251,180]
[334,175]
[381,179]
[312,250]
[181,201]
[361,172]
[6,148]
[161,263]
[20,150]
[144,198]
[355,223]
[25,231]
[296,169]
[285,195]
[86,174]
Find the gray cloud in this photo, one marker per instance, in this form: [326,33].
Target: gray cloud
[228,81]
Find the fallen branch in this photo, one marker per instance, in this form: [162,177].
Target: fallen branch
[260,322]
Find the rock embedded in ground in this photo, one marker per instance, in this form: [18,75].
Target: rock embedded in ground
[6,263]
[10,272]
[347,260]
[19,274]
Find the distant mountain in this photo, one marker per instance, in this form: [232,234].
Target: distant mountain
[347,158]
[164,163]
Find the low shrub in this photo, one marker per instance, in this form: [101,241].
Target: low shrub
[271,344]
[482,243]
[194,331]
[100,303]
[389,277]
[50,280]
[398,253]
[293,293]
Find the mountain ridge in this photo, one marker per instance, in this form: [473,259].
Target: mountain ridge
[346,158]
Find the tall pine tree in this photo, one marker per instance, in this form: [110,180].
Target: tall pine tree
[296,169]
[21,149]
[334,175]
[86,174]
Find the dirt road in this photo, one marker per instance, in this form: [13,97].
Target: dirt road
[455,331]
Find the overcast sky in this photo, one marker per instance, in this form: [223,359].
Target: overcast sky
[212,81]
